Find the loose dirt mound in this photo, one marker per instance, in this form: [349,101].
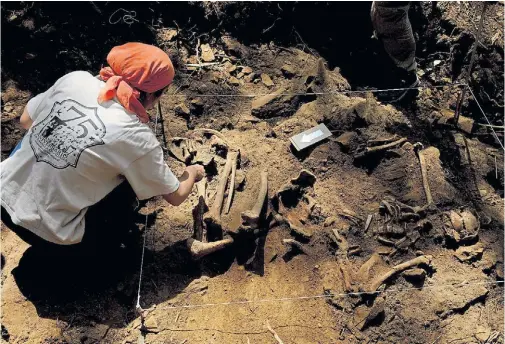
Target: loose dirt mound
[349,248]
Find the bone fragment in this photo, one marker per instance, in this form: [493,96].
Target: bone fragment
[200,249]
[345,277]
[386,146]
[368,222]
[375,149]
[382,140]
[296,244]
[341,241]
[385,241]
[231,189]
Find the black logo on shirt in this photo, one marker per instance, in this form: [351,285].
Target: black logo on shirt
[69,129]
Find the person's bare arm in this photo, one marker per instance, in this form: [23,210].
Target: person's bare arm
[25,120]
[192,175]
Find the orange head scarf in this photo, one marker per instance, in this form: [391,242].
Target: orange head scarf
[135,67]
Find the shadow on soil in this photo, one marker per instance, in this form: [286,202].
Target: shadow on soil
[102,287]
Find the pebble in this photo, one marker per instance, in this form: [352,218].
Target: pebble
[247,70]
[182,110]
[207,54]
[234,81]
[267,81]
[230,67]
[288,71]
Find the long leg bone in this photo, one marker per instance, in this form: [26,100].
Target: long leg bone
[231,189]
[251,218]
[200,249]
[382,140]
[374,149]
[421,260]
[213,217]
[418,148]
[386,146]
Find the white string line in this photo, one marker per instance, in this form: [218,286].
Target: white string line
[347,92]
[137,306]
[487,119]
[128,17]
[323,296]
[252,95]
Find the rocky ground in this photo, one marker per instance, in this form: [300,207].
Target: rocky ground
[349,246]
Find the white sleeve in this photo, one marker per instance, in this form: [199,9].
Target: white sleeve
[33,104]
[150,176]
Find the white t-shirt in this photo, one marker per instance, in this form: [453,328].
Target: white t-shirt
[74,154]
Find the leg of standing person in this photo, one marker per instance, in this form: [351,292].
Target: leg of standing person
[392,27]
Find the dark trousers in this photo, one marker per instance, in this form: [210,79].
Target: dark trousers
[392,26]
[108,224]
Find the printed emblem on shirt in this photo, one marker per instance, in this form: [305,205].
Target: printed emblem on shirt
[69,129]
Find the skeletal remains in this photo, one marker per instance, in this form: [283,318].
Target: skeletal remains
[295,206]
[396,211]
[207,224]
[212,218]
[418,147]
[182,148]
[461,225]
[421,260]
[392,142]
[208,228]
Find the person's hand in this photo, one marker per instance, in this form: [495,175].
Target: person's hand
[197,170]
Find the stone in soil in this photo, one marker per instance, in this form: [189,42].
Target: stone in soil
[197,103]
[469,254]
[499,271]
[415,275]
[288,71]
[345,139]
[230,67]
[207,54]
[267,81]
[182,110]
[261,102]
[234,81]
[247,70]
[457,298]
